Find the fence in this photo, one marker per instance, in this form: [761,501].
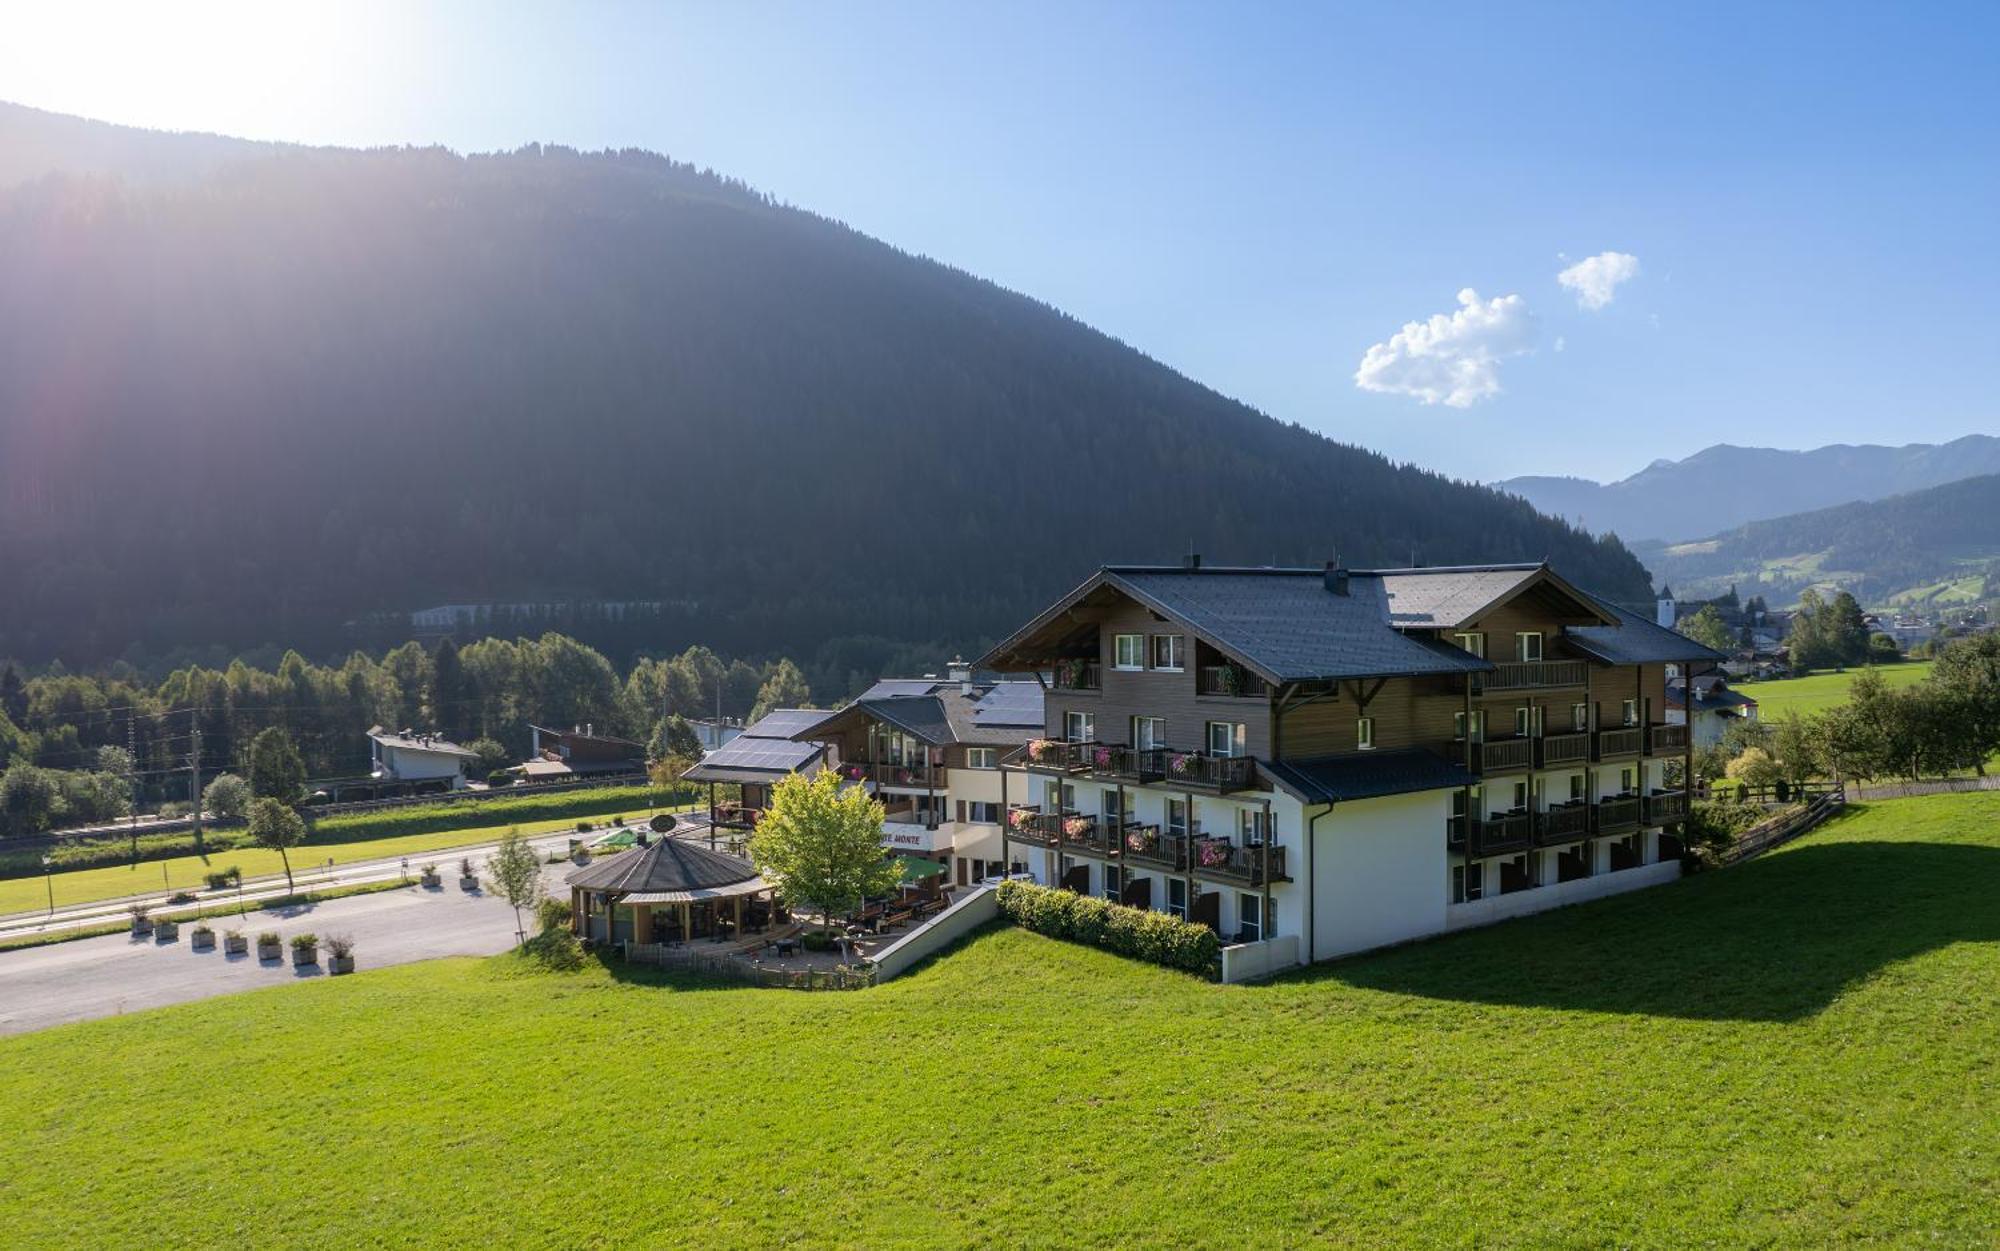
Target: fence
[1937,786]
[729,967]
[498,792]
[1761,838]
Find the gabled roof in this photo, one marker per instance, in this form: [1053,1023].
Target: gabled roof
[1447,597]
[944,718]
[669,864]
[419,742]
[1366,775]
[1635,640]
[589,738]
[765,751]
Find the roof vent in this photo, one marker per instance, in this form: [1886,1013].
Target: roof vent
[961,673]
[1193,560]
[1336,578]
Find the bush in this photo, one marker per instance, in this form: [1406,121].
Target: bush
[584,827]
[553,914]
[269,938]
[225,879]
[499,777]
[304,942]
[556,950]
[228,796]
[816,940]
[1136,932]
[340,946]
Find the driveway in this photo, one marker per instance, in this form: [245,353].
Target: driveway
[93,977]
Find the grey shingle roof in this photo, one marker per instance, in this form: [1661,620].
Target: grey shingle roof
[1635,641]
[1287,624]
[1366,775]
[1437,599]
[950,716]
[667,865]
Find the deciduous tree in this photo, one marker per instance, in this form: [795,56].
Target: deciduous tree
[275,827]
[821,845]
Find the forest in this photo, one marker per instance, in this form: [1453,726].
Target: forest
[286,400]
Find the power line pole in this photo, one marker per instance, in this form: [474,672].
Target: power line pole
[194,774]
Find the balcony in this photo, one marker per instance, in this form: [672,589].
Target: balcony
[1077,832]
[1146,846]
[1562,749]
[1220,774]
[1253,865]
[1053,755]
[1567,824]
[1034,827]
[1533,675]
[1129,764]
[1511,831]
[1629,741]
[1230,680]
[1618,816]
[1506,755]
[1666,740]
[1663,807]
[1078,675]
[737,817]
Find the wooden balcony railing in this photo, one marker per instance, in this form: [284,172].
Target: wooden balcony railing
[1503,755]
[1562,825]
[1619,815]
[1134,764]
[919,776]
[1147,845]
[1078,675]
[1624,742]
[1053,755]
[1562,749]
[1230,680]
[1215,773]
[737,817]
[1665,806]
[1254,864]
[1512,831]
[1035,827]
[1525,675]
[1666,740]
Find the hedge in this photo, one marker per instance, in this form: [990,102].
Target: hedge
[1136,932]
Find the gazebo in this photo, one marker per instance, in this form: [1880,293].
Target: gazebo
[668,891]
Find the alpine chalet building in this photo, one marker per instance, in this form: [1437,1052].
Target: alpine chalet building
[1321,761]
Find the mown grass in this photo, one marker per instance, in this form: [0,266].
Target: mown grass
[1797,1051]
[1819,691]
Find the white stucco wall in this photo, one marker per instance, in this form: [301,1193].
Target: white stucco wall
[1496,907]
[1378,870]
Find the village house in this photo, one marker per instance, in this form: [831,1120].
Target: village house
[425,759]
[1321,761]
[564,755]
[1716,707]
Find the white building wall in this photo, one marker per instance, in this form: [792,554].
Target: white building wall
[1379,873]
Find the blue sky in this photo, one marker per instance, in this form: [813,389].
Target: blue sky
[1259,195]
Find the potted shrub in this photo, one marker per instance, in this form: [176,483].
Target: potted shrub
[578,853]
[142,920]
[202,937]
[305,950]
[467,879]
[340,954]
[234,944]
[269,946]
[166,931]
[431,878]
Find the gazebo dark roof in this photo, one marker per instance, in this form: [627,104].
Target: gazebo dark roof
[671,864]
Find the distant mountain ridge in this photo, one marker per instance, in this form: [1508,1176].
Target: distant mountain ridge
[250,396]
[1939,546]
[1725,486]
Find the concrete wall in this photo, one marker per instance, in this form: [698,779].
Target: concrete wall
[1248,961]
[965,915]
[1526,902]
[1378,871]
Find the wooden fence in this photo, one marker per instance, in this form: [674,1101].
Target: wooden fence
[1936,786]
[722,964]
[1785,827]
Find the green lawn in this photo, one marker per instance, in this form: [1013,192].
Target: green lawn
[24,894]
[1820,691]
[1797,1051]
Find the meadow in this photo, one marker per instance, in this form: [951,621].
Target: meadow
[1819,691]
[1795,1052]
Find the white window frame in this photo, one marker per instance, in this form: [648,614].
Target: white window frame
[1575,787]
[1473,641]
[1477,722]
[1177,909]
[1238,736]
[1247,903]
[982,757]
[1628,780]
[1112,883]
[1521,647]
[1073,719]
[1364,734]
[1176,652]
[1138,660]
[1468,882]
[1156,735]
[1631,713]
[1187,817]
[1579,716]
[1253,826]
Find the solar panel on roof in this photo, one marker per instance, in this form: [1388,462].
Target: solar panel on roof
[783,723]
[1010,703]
[761,753]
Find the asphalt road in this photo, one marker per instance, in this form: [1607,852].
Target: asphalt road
[94,977]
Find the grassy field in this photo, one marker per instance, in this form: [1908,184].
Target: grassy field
[1797,1051]
[1820,691]
[26,894]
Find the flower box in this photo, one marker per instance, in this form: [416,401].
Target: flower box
[166,931]
[235,945]
[270,949]
[431,879]
[338,965]
[141,926]
[470,882]
[304,955]
[202,940]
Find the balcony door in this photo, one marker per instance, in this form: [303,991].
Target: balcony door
[1080,727]
[1528,645]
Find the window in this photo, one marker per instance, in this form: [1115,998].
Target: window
[1169,652]
[1472,642]
[1364,734]
[1467,882]
[1520,797]
[1458,803]
[982,757]
[1528,645]
[1113,814]
[1631,712]
[1628,781]
[1080,727]
[1227,739]
[1149,732]
[1177,816]
[1579,717]
[1128,651]
[1249,918]
[1114,882]
[1459,721]
[1253,825]
[1058,797]
[982,813]
[1177,897]
[1575,786]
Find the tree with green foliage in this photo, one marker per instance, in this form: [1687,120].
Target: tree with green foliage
[517,875]
[820,845]
[489,757]
[1755,767]
[1707,628]
[276,771]
[28,798]
[227,797]
[785,687]
[1970,667]
[13,694]
[446,697]
[275,827]
[674,736]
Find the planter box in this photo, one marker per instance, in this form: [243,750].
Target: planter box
[303,956]
[166,931]
[141,927]
[236,946]
[468,883]
[203,940]
[338,965]
[579,856]
[432,881]
[270,951]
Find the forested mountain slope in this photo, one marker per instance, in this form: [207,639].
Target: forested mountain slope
[262,401]
[1941,544]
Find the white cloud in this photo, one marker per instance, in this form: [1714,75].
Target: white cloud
[1454,358]
[1595,279]
[1561,343]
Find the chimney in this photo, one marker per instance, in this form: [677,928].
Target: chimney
[960,672]
[1193,561]
[1335,578]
